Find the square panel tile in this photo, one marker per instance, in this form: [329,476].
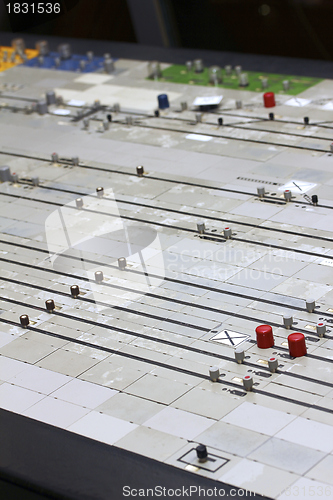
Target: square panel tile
[5,338]
[83,393]
[258,418]
[252,278]
[322,471]
[39,379]
[207,403]
[259,478]
[179,423]
[157,389]
[10,367]
[17,399]
[68,363]
[102,427]
[232,439]
[130,408]
[151,443]
[316,435]
[112,374]
[55,412]
[26,350]
[287,456]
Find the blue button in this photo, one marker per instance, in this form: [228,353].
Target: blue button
[163,101]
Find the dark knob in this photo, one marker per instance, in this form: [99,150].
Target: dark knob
[24,320]
[75,290]
[202,453]
[50,305]
[140,170]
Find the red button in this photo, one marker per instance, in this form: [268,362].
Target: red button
[297,347]
[265,337]
[269,99]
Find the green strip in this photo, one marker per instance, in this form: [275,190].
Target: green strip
[179,74]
